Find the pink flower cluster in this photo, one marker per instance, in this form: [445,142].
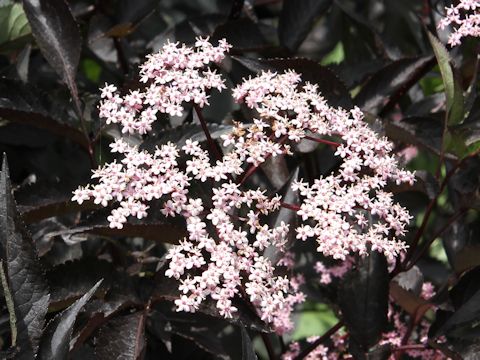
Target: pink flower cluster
[465,19]
[328,273]
[346,211]
[173,76]
[224,257]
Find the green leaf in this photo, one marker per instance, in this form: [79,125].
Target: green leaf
[453,90]
[14,27]
[23,276]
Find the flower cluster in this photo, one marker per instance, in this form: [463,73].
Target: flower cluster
[224,257]
[346,211]
[465,19]
[328,273]
[173,76]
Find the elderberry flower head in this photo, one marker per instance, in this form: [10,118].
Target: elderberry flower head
[175,75]
[464,18]
[224,258]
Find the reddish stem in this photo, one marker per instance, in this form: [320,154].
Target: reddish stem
[249,172]
[317,342]
[290,206]
[213,150]
[323,141]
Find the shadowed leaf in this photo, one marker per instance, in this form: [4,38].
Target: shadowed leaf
[58,37]
[297,18]
[247,347]
[363,299]
[122,338]
[392,80]
[24,275]
[55,341]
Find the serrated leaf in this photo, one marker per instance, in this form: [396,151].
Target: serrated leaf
[27,105]
[363,299]
[14,27]
[58,37]
[71,280]
[55,342]
[297,18]
[247,347]
[122,338]
[23,273]
[420,131]
[453,90]
[392,80]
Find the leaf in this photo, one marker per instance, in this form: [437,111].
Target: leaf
[71,280]
[14,28]
[122,338]
[329,85]
[453,90]
[297,18]
[157,229]
[56,338]
[58,37]
[23,273]
[392,81]
[242,34]
[26,105]
[363,300]
[420,131]
[285,216]
[406,299]
[247,347]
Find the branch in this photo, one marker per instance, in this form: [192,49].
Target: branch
[317,342]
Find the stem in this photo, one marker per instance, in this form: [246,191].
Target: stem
[268,346]
[253,168]
[213,150]
[323,141]
[410,347]
[290,206]
[429,210]
[426,246]
[317,342]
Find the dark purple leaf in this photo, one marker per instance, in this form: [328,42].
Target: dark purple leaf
[122,338]
[391,82]
[242,34]
[58,37]
[26,105]
[55,342]
[23,274]
[71,280]
[425,132]
[297,18]
[363,300]
[247,347]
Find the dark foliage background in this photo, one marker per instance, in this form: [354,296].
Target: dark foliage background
[74,288]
